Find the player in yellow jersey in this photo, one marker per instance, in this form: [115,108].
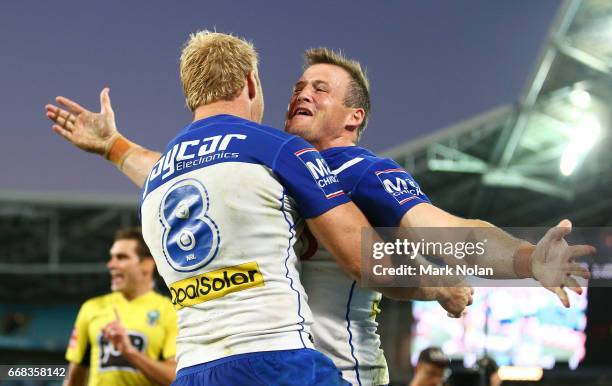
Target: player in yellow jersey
[126,337]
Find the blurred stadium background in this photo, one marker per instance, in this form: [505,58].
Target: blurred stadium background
[532,163]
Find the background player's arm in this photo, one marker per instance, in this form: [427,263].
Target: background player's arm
[158,371]
[78,353]
[77,375]
[97,133]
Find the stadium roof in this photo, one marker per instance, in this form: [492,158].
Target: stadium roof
[545,158]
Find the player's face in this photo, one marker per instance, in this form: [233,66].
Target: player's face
[316,110]
[125,267]
[427,374]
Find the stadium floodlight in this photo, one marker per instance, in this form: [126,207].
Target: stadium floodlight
[569,160]
[585,134]
[580,98]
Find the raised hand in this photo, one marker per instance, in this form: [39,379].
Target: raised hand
[552,262]
[117,335]
[89,131]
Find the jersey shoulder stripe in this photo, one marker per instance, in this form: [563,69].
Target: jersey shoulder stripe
[347,165]
[381,188]
[350,164]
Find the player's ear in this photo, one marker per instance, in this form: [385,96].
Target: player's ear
[355,119]
[147,265]
[252,84]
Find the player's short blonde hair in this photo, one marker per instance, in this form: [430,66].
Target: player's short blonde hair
[358,92]
[214,67]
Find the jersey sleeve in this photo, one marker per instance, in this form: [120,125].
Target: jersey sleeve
[307,178]
[171,328]
[386,192]
[78,346]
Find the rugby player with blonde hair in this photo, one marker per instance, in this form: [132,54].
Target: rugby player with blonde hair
[222,211]
[329,107]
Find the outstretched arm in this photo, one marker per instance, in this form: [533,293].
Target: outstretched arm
[97,133]
[549,262]
[340,231]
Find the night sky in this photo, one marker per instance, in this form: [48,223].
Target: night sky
[431,64]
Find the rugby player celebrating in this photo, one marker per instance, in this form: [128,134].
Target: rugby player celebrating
[222,211]
[329,107]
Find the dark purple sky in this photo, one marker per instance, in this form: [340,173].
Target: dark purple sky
[430,63]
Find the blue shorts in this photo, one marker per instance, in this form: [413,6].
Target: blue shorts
[299,367]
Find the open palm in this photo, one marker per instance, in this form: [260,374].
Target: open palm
[89,131]
[553,265]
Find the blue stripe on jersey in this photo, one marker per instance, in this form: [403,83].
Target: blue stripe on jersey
[292,234]
[348,328]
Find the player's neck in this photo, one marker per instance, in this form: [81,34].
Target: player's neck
[141,290]
[234,107]
[334,142]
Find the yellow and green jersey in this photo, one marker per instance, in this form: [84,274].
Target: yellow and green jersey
[151,323]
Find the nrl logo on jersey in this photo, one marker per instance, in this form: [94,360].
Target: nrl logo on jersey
[152,317]
[319,170]
[397,182]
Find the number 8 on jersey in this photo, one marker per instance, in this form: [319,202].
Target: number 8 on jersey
[190,238]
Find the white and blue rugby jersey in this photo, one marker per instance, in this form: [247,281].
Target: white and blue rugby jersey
[221,213]
[345,314]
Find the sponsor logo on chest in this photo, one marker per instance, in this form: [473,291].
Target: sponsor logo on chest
[215,284]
